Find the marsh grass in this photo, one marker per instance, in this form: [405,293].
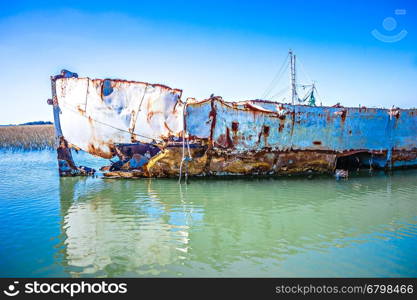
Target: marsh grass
[27,137]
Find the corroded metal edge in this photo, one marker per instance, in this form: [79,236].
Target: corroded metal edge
[253,137]
[66,165]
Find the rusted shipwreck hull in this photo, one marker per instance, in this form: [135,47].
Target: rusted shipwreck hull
[150,132]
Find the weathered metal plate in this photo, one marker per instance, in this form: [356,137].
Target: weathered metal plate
[254,125]
[108,117]
[96,114]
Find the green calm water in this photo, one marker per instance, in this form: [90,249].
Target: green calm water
[88,227]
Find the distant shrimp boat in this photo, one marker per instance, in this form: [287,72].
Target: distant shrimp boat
[152,133]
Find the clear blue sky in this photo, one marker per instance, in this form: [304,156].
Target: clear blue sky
[232,49]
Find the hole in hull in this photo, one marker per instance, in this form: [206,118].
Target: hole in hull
[362,160]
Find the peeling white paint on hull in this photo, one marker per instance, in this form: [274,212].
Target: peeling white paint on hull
[143,125]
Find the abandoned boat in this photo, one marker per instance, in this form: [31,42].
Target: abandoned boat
[151,132]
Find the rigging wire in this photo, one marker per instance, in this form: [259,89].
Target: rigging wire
[318,95]
[307,95]
[311,88]
[304,70]
[280,92]
[276,78]
[309,78]
[304,86]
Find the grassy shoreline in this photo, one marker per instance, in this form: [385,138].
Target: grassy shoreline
[27,137]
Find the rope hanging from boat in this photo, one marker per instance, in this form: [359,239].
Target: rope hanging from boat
[184,158]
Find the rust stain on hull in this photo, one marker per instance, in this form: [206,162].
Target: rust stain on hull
[153,133]
[209,162]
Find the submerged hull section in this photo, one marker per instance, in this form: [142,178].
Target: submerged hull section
[154,134]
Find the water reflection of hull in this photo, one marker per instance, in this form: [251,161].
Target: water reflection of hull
[106,237]
[122,228]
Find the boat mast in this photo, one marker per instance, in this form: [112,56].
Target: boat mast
[294,95]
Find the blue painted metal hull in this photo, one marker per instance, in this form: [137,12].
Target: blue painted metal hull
[142,122]
[385,138]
